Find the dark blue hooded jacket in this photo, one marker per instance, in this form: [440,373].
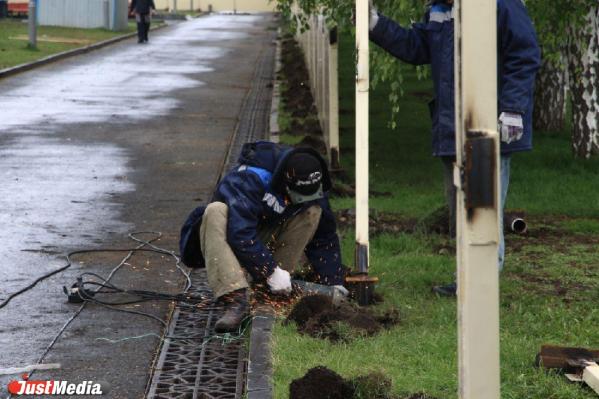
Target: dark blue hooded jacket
[431,42]
[253,191]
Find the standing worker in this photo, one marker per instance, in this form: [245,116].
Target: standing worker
[143,16]
[432,42]
[265,214]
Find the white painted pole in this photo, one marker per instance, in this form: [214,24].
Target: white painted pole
[477,179]
[362,87]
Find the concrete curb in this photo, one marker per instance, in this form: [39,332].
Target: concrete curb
[259,371]
[259,382]
[276,94]
[67,54]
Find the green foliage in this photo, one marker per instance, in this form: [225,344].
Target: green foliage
[385,69]
[554,19]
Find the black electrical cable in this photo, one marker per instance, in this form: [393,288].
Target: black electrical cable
[69,263]
[143,295]
[131,251]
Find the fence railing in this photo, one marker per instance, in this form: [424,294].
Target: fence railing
[319,44]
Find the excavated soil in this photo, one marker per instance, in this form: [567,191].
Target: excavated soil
[297,97]
[323,383]
[317,316]
[379,222]
[320,383]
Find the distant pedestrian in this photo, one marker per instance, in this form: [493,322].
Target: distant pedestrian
[143,15]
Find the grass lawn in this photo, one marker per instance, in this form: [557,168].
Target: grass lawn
[549,288]
[13,41]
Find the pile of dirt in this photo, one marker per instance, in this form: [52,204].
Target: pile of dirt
[323,383]
[317,316]
[319,383]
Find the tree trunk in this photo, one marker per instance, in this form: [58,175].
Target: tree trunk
[550,94]
[583,64]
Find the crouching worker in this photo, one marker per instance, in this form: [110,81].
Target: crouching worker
[266,213]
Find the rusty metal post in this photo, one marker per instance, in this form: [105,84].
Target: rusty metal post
[477,180]
[333,117]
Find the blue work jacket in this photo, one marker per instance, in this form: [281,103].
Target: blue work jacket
[253,191]
[432,42]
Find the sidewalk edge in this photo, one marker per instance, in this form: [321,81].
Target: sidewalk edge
[67,54]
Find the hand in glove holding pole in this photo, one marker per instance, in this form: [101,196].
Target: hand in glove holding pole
[374,16]
[279,282]
[510,127]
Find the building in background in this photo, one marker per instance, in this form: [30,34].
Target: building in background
[217,5]
[109,14]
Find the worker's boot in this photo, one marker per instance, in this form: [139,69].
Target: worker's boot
[236,310]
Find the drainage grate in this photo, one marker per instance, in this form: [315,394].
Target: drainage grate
[188,369]
[254,117]
[199,367]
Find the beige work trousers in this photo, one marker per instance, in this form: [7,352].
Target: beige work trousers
[287,242]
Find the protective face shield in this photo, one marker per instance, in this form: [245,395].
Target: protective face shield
[303,175]
[298,198]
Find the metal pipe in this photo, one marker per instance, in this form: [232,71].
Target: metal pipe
[32,23]
[515,224]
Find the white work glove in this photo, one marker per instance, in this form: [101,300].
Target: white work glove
[279,281]
[510,127]
[341,290]
[374,16]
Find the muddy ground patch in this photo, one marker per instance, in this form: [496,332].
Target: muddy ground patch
[317,316]
[321,382]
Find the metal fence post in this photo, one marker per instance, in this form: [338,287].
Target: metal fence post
[477,180]
[333,100]
[319,45]
[362,106]
[32,23]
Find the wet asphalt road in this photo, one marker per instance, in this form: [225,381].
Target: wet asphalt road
[127,138]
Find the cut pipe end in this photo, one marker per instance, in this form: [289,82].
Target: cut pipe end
[518,226]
